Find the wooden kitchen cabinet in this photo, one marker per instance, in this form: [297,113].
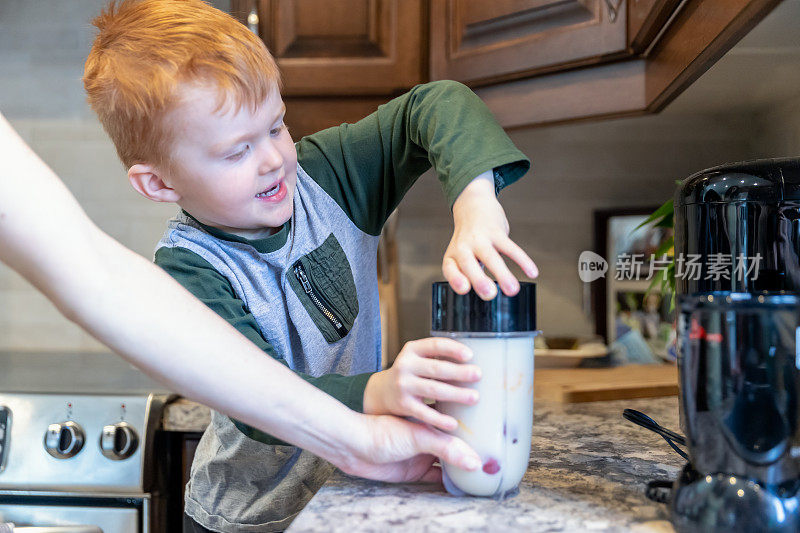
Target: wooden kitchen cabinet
[646,20]
[368,47]
[480,43]
[533,62]
[696,35]
[345,47]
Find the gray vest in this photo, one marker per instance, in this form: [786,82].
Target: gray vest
[321,284]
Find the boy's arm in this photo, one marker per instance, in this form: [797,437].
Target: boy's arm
[368,166]
[201,279]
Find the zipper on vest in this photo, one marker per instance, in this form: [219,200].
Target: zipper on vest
[319,300]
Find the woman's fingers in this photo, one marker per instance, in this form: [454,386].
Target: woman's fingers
[446,447]
[432,475]
[427,415]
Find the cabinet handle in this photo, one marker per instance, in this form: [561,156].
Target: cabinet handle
[252,21]
[613,9]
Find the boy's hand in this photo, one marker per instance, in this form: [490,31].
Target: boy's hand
[417,374]
[480,236]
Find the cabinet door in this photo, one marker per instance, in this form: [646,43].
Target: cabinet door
[646,20]
[347,47]
[485,42]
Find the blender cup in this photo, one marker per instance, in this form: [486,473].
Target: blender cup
[500,334]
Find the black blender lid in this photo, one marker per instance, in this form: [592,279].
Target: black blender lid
[455,312]
[759,180]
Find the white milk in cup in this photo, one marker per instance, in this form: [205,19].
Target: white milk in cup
[500,334]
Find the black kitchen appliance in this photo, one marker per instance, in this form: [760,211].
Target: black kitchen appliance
[737,252]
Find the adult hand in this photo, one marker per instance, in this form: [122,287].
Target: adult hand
[396,450]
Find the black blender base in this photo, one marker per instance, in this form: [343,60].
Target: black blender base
[717,503]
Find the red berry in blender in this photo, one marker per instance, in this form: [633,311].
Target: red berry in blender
[491,466]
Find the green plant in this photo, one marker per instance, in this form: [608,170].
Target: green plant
[663,217]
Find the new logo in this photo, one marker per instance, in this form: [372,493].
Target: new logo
[591,266]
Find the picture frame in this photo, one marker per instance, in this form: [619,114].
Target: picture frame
[622,304]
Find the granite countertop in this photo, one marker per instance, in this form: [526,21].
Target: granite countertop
[587,472]
[185,415]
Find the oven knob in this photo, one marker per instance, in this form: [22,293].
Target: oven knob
[63,440]
[118,441]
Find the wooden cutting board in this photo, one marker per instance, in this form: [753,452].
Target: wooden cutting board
[572,385]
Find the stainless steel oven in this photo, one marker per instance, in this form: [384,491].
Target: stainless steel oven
[81,463]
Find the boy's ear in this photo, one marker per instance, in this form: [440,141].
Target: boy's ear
[146,180]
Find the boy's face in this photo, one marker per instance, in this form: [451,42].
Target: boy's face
[234,170]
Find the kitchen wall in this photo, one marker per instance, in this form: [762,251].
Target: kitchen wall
[43,45]
[576,169]
[777,130]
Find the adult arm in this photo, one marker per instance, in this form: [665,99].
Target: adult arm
[136,309]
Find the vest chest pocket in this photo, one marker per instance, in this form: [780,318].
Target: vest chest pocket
[323,281]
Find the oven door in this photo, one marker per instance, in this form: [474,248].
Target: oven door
[83,519]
